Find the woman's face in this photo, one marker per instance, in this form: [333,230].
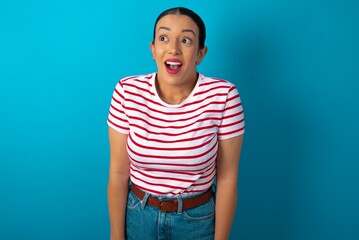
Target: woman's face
[176,49]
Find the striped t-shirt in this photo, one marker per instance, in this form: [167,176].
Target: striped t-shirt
[173,148]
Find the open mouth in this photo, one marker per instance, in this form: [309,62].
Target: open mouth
[173,66]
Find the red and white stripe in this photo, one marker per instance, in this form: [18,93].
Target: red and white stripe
[173,148]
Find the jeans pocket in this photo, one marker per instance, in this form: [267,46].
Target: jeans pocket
[203,212]
[132,200]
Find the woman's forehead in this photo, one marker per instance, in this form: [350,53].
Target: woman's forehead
[176,22]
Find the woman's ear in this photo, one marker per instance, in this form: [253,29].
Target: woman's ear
[152,48]
[201,53]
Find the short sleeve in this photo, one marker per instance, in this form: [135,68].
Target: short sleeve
[117,118]
[232,123]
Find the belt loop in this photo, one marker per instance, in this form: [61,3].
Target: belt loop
[214,187]
[180,205]
[144,200]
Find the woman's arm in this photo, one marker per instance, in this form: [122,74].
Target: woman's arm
[117,191]
[226,195]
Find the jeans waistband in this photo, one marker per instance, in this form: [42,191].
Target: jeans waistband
[172,205]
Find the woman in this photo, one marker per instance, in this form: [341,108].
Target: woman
[171,134]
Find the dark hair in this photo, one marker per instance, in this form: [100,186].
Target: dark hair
[189,13]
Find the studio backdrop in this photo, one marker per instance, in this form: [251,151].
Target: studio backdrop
[295,64]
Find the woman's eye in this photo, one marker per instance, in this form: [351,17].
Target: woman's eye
[186,41]
[163,38]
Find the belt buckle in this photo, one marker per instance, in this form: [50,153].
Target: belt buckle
[162,202]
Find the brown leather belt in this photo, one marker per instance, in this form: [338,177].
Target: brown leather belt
[171,205]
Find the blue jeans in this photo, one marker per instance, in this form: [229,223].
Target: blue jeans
[144,222]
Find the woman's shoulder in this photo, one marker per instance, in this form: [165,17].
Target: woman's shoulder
[136,79]
[136,82]
[215,82]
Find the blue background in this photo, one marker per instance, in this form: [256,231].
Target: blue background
[295,64]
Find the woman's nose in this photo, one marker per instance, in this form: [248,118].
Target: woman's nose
[174,47]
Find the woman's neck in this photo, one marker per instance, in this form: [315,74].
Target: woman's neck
[174,94]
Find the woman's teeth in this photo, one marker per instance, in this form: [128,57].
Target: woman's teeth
[173,65]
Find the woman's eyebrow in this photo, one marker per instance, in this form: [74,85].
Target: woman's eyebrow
[169,29]
[164,28]
[189,30]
